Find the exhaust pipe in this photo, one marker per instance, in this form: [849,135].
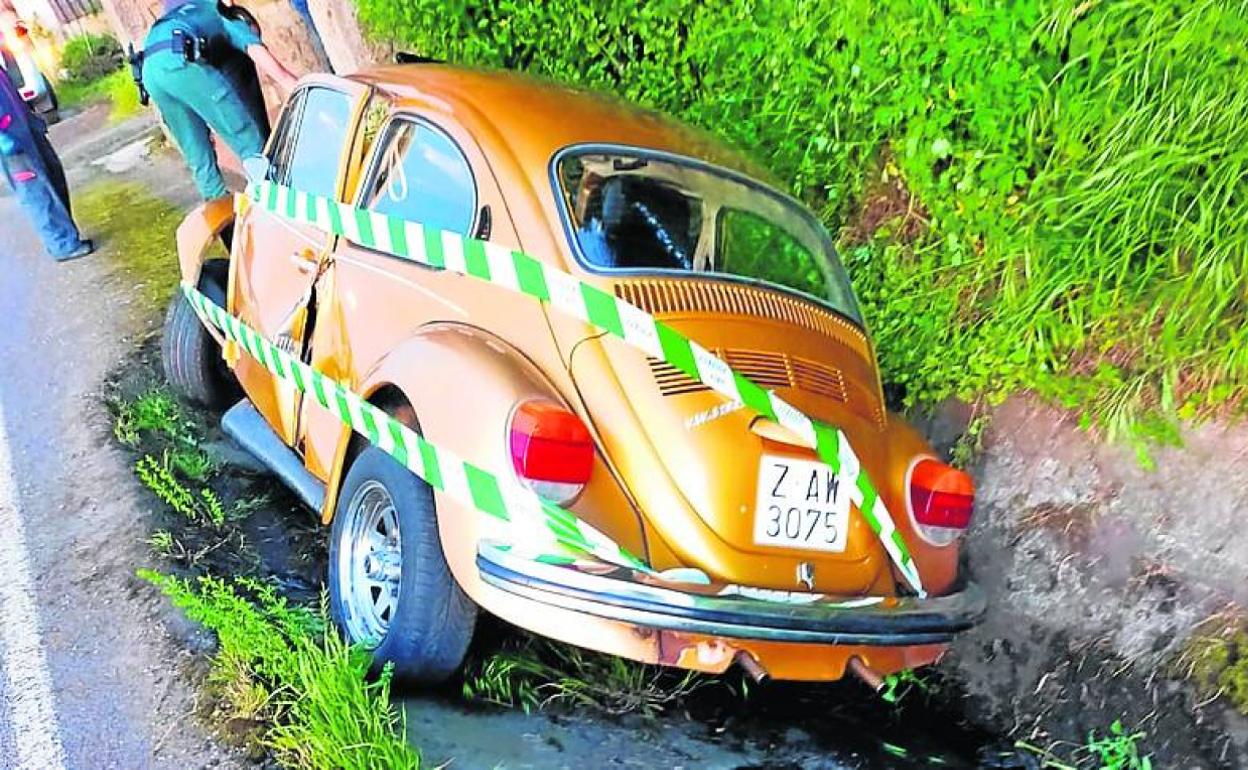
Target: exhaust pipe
[751,666]
[868,675]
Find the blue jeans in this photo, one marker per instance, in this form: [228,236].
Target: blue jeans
[38,179]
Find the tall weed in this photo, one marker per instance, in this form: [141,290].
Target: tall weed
[284,666]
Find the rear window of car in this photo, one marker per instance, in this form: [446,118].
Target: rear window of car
[637,213]
[421,176]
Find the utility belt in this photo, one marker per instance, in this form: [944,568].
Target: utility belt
[189,47]
[192,48]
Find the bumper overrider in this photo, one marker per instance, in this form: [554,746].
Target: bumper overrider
[620,594]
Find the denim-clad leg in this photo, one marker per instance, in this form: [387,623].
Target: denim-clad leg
[54,170]
[44,206]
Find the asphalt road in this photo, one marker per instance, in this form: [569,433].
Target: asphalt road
[88,677]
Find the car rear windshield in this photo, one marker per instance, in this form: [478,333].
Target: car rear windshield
[651,214]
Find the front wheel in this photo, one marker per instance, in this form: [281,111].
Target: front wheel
[389,584]
[190,355]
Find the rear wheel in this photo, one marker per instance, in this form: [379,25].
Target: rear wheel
[389,584]
[190,355]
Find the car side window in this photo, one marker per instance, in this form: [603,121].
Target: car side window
[283,141]
[421,176]
[307,150]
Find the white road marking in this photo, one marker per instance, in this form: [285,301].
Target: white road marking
[31,713]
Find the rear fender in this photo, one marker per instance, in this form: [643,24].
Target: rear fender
[462,384]
[198,231]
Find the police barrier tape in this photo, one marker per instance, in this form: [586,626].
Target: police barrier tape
[528,526]
[517,271]
[546,528]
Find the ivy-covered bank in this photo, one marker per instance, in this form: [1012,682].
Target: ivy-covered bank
[1042,194]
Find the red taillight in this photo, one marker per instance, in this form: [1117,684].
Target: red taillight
[20,30]
[551,450]
[941,497]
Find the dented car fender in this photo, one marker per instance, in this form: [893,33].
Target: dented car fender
[450,363]
[197,233]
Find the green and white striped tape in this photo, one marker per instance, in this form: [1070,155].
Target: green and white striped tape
[517,271]
[526,522]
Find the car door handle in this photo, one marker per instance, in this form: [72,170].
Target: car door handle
[304,261]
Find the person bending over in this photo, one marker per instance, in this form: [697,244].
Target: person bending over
[185,69]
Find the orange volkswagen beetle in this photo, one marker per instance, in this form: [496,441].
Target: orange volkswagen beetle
[756,554]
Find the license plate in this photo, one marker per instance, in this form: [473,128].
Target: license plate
[801,504]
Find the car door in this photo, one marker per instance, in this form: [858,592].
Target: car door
[277,260]
[422,170]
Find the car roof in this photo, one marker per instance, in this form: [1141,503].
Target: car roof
[537,118]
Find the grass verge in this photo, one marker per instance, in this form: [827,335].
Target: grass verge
[281,681]
[285,669]
[117,88]
[137,230]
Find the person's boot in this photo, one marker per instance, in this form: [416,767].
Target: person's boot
[85,247]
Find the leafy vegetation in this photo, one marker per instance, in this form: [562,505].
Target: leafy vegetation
[182,462]
[281,681]
[537,673]
[154,410]
[159,477]
[89,57]
[95,72]
[1118,749]
[284,667]
[116,88]
[1216,660]
[1044,194]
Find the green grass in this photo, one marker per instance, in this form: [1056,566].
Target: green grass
[535,673]
[1117,749]
[135,230]
[156,411]
[116,88]
[1043,195]
[1215,660]
[284,668]
[179,476]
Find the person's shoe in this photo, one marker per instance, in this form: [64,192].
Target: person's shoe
[84,248]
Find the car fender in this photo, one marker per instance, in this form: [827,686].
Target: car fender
[461,382]
[198,231]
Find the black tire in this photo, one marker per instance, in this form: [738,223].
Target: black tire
[190,355]
[432,621]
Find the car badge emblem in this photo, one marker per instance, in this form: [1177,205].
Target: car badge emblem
[806,575]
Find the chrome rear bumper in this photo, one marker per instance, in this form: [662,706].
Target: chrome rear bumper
[624,595]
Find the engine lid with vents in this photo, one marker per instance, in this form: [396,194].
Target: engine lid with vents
[690,458]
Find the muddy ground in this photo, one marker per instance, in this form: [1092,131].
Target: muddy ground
[1099,573]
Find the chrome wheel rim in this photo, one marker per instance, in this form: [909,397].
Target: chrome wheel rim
[370,561]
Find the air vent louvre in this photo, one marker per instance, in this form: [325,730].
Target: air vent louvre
[818,378]
[770,370]
[669,296]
